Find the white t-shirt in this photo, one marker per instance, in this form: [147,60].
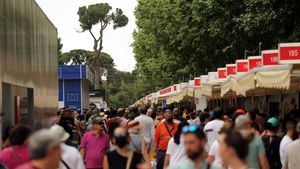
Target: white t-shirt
[211,130]
[176,152]
[71,157]
[286,140]
[148,127]
[195,121]
[293,155]
[214,151]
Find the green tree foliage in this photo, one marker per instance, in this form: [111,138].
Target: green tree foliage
[59,46]
[176,40]
[81,56]
[99,14]
[121,88]
[76,57]
[59,49]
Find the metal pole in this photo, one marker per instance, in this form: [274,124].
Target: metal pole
[259,47]
[81,90]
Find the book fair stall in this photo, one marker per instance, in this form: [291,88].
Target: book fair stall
[270,82]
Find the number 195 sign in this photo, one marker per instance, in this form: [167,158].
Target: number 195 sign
[289,53]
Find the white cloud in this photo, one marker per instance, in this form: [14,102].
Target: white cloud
[63,14]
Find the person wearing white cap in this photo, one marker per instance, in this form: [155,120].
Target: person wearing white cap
[70,156]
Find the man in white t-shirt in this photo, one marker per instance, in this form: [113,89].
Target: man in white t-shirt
[213,127]
[148,126]
[70,156]
[287,139]
[175,153]
[292,158]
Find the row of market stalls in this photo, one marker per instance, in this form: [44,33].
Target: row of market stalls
[269,81]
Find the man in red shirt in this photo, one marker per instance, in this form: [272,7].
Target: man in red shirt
[45,153]
[163,133]
[94,145]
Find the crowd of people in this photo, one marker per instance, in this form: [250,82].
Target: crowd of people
[156,138]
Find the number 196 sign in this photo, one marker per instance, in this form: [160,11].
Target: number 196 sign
[289,53]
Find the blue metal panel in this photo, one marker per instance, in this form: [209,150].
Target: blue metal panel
[60,91]
[73,72]
[69,72]
[72,94]
[83,70]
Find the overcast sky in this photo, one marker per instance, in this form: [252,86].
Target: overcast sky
[63,14]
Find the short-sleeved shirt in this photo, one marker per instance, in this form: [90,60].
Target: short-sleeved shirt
[95,149]
[195,121]
[293,155]
[256,148]
[162,135]
[71,156]
[14,156]
[117,161]
[212,130]
[176,152]
[285,142]
[148,127]
[214,151]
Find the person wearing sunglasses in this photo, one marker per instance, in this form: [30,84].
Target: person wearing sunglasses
[194,143]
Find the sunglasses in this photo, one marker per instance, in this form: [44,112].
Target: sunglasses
[190,129]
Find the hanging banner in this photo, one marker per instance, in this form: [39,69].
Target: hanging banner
[183,85]
[212,77]
[254,61]
[197,81]
[191,83]
[231,69]
[270,57]
[175,87]
[165,91]
[204,79]
[222,73]
[241,66]
[289,53]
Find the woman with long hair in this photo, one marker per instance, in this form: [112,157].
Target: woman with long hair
[175,151]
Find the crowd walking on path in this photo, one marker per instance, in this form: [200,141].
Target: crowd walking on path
[156,138]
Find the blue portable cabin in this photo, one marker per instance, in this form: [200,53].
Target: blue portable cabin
[74,86]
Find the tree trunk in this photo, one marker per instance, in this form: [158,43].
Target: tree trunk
[97,58]
[97,71]
[97,77]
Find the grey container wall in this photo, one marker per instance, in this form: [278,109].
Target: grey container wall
[28,59]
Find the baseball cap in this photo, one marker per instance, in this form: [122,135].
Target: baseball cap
[273,121]
[240,111]
[98,120]
[59,132]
